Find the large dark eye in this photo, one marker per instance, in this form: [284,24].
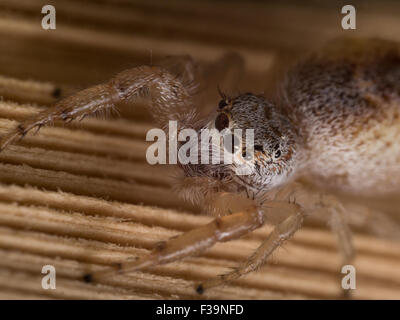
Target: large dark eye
[221,122]
[222,104]
[277,152]
[258,147]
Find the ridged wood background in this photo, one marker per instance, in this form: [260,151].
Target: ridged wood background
[81,196]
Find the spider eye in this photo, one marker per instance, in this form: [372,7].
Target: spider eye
[221,122]
[222,104]
[259,147]
[277,153]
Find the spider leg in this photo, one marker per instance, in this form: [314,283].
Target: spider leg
[331,207]
[325,206]
[186,68]
[343,233]
[190,243]
[282,232]
[225,72]
[170,100]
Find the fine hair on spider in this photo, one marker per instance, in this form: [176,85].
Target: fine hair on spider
[336,105]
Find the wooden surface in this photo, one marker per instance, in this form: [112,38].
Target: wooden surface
[82,196]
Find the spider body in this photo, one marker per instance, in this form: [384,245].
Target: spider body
[345,103]
[336,122]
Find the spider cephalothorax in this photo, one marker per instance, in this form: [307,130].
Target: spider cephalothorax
[271,160]
[265,162]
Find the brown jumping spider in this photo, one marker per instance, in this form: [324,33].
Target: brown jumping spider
[336,123]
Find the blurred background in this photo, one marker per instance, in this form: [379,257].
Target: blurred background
[82,196]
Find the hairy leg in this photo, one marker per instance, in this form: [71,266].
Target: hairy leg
[185,68]
[225,72]
[325,207]
[282,232]
[343,233]
[219,230]
[344,239]
[330,208]
[170,100]
[192,242]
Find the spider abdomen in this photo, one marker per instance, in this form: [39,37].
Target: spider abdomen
[345,102]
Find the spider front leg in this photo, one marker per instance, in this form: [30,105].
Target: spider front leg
[170,100]
[219,230]
[282,232]
[192,242]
